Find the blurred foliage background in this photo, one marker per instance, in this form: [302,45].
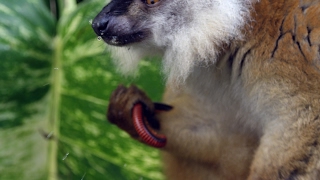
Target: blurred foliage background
[55,82]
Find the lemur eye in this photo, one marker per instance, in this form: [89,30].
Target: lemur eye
[151,2]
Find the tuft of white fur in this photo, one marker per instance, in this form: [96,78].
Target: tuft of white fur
[125,58]
[188,32]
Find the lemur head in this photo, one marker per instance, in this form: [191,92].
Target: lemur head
[183,32]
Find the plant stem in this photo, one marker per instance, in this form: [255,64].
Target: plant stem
[54,112]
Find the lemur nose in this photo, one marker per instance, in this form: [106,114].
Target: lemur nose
[100,24]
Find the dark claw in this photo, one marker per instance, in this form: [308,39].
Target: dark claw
[162,107]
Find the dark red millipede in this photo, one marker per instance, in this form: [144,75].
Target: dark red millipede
[148,136]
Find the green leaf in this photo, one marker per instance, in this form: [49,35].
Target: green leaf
[55,82]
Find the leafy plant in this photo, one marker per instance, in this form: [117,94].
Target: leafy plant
[55,79]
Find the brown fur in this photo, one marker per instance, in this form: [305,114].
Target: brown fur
[255,114]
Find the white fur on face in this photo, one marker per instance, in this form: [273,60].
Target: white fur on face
[126,58]
[188,32]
